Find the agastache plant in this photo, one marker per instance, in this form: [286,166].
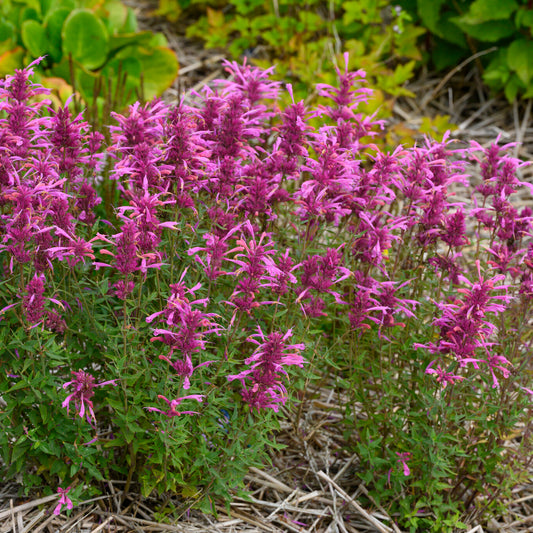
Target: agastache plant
[239,224]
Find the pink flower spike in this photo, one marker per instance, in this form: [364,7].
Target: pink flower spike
[64,500]
[403,457]
[175,403]
[83,385]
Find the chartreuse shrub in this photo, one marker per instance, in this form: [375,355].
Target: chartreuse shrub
[459,29]
[91,46]
[306,39]
[247,253]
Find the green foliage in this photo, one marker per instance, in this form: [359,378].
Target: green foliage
[93,45]
[460,29]
[305,40]
[455,435]
[192,455]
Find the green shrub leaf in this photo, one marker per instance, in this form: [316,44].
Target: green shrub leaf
[114,14]
[11,60]
[488,32]
[485,10]
[6,30]
[159,67]
[520,59]
[429,12]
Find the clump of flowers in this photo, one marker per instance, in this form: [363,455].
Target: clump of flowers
[265,389]
[230,226]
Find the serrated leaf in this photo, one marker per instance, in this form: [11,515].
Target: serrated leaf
[486,10]
[488,32]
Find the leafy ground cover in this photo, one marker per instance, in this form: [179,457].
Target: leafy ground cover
[325,422]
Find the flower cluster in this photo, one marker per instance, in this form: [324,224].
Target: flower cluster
[83,385]
[465,328]
[261,383]
[231,221]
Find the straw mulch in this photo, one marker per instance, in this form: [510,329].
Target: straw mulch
[330,500]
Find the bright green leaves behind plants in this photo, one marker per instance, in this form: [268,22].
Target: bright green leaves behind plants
[463,28]
[159,68]
[33,37]
[520,59]
[85,37]
[305,40]
[101,38]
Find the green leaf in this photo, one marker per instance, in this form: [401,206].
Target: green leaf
[512,87]
[429,12]
[402,73]
[524,17]
[487,10]
[497,72]
[45,6]
[520,59]
[360,12]
[489,32]
[169,9]
[130,24]
[129,39]
[53,24]
[62,4]
[114,14]
[30,13]
[59,467]
[7,30]
[85,37]
[158,39]
[159,67]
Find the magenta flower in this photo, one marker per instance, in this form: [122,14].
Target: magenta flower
[83,385]
[216,251]
[189,328]
[251,82]
[266,370]
[454,232]
[75,251]
[33,301]
[280,273]
[443,377]
[175,403]
[403,457]
[464,328]
[478,299]
[64,500]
